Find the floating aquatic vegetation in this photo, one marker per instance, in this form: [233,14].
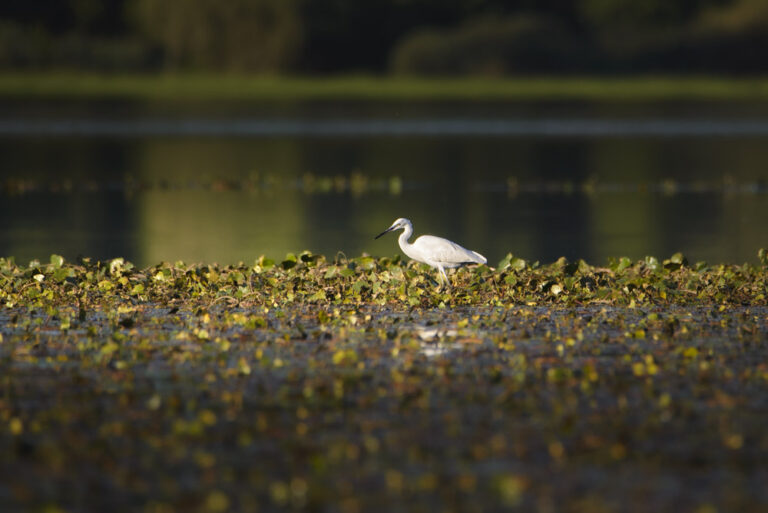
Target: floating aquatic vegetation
[357,385]
[357,183]
[310,279]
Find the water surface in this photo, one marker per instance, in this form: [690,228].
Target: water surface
[228,182]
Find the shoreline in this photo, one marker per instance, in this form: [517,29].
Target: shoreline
[356,88]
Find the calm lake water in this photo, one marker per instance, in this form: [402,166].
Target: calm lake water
[228,182]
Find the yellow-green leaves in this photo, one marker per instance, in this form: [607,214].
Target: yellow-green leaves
[57,261]
[357,384]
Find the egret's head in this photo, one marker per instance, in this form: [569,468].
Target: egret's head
[398,224]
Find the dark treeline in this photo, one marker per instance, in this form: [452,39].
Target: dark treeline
[428,37]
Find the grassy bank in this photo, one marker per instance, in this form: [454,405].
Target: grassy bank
[233,87]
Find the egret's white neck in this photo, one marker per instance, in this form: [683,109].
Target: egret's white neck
[407,232]
[406,246]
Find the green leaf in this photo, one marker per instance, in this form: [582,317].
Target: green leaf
[366,263]
[675,262]
[623,263]
[652,263]
[678,258]
[571,268]
[116,266]
[289,262]
[57,261]
[62,273]
[308,258]
[263,264]
[518,264]
[317,296]
[105,285]
[504,262]
[512,262]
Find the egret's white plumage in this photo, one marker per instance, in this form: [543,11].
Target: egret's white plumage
[434,251]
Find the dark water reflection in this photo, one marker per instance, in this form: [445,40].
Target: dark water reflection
[330,128]
[694,184]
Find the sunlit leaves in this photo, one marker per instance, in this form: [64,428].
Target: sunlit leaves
[289,262]
[512,262]
[675,262]
[57,261]
[275,386]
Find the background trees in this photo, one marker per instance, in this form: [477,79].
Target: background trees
[438,37]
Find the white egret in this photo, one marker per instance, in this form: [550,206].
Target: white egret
[434,251]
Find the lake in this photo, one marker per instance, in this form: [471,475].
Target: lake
[228,181]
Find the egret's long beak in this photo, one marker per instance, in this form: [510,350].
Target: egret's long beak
[385,231]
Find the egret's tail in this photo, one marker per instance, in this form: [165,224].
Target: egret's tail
[480,259]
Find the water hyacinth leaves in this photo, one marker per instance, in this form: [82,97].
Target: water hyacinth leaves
[353,384]
[512,262]
[57,261]
[312,279]
[675,262]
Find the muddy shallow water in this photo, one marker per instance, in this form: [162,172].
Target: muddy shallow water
[384,408]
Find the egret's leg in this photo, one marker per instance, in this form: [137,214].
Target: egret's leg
[445,276]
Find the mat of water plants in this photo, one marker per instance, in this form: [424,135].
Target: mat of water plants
[357,385]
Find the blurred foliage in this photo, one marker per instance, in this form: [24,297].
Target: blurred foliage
[738,17]
[491,46]
[238,35]
[414,36]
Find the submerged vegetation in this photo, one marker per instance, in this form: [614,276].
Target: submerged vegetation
[357,184]
[356,385]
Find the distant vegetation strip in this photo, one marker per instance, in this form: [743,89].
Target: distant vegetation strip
[234,87]
[358,184]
